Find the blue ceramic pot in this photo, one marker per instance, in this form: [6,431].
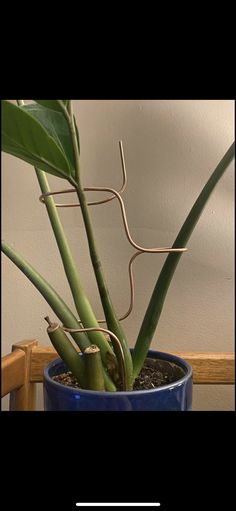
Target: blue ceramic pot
[173,397]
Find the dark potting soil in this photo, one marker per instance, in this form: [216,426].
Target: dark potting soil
[155,373]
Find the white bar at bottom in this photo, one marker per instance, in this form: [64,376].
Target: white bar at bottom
[118,504]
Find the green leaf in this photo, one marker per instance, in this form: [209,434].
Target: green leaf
[77,134]
[156,303]
[53,104]
[57,126]
[24,137]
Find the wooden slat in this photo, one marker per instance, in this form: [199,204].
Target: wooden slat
[24,398]
[40,358]
[12,371]
[211,367]
[208,367]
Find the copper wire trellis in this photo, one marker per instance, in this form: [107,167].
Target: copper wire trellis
[117,341]
[140,249]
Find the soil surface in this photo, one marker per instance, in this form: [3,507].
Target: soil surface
[155,373]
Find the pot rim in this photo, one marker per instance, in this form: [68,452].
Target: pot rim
[108,394]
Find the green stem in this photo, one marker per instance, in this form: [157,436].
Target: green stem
[67,352]
[156,303]
[53,299]
[94,370]
[82,304]
[111,318]
[71,124]
[51,296]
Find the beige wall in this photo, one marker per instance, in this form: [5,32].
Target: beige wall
[171,147]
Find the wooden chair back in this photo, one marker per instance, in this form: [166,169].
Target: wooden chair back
[24,367]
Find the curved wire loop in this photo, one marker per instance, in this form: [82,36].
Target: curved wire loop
[93,203]
[106,331]
[115,194]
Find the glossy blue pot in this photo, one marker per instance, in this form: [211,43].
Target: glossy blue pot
[173,397]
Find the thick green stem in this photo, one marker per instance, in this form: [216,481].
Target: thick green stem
[156,303]
[51,296]
[82,304]
[71,123]
[94,370]
[67,352]
[111,318]
[56,303]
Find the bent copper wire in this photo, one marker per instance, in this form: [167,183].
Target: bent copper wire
[115,194]
[106,331]
[124,217]
[93,203]
[131,284]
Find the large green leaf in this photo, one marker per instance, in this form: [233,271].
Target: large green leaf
[56,125]
[24,137]
[77,134]
[53,104]
[157,300]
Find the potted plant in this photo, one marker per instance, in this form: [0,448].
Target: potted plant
[105,374]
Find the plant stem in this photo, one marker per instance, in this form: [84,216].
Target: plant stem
[111,318]
[82,304]
[67,352]
[156,303]
[81,301]
[51,296]
[71,123]
[93,365]
[53,299]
